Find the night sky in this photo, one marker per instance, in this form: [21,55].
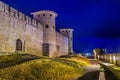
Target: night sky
[96,22]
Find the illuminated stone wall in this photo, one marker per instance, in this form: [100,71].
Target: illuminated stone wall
[69,34]
[47,19]
[33,33]
[62,44]
[58,43]
[15,25]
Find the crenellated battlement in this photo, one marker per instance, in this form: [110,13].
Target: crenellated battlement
[37,35]
[12,12]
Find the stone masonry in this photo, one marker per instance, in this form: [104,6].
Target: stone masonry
[20,33]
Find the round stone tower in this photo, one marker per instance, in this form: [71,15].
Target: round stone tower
[69,34]
[47,19]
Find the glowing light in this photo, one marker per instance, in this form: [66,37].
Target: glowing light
[110,58]
[108,64]
[87,54]
[114,59]
[98,57]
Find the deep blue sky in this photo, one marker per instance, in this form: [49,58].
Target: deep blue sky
[96,22]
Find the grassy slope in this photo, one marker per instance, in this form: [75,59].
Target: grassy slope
[13,59]
[80,59]
[41,69]
[115,70]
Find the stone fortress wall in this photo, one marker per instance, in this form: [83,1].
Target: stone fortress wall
[62,44]
[19,32]
[14,26]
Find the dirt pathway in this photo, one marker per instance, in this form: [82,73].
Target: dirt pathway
[92,72]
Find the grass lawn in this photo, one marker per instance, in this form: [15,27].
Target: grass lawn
[41,68]
[114,69]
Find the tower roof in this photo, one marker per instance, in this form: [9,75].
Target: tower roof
[45,11]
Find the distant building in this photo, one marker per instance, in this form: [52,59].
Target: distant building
[98,51]
[20,33]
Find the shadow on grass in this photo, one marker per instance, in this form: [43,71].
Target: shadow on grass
[93,75]
[24,58]
[5,65]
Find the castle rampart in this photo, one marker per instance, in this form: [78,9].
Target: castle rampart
[21,33]
[15,25]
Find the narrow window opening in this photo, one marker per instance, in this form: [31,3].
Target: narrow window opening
[50,14]
[47,26]
[38,15]
[53,27]
[43,14]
